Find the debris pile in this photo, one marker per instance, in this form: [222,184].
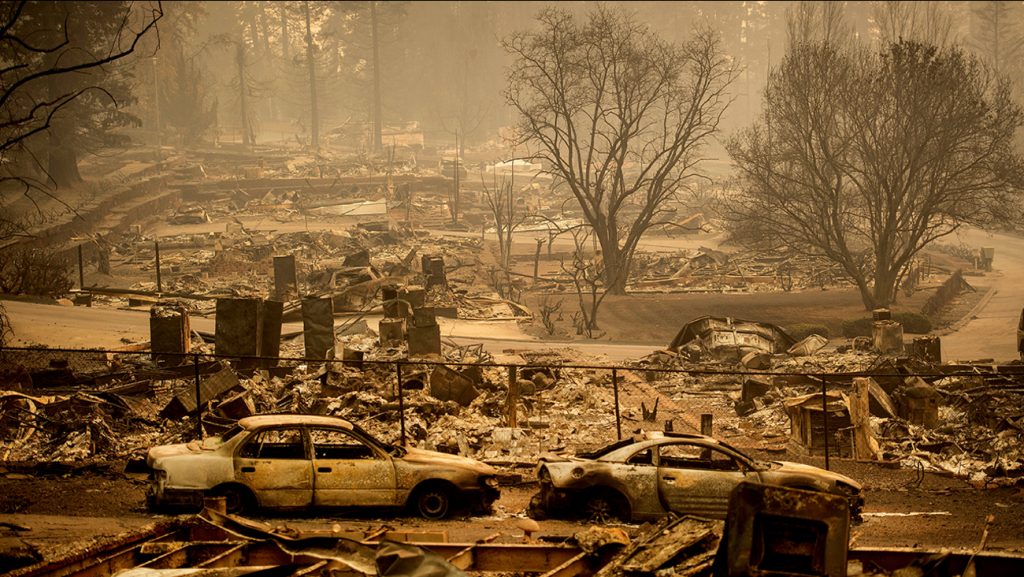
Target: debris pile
[962,420]
[709,270]
[132,404]
[674,546]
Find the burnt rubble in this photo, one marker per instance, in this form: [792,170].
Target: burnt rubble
[961,420]
[90,406]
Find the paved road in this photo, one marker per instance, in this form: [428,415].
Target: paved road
[992,333]
[81,327]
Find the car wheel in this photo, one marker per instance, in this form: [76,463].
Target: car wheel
[536,509]
[433,502]
[605,507]
[237,500]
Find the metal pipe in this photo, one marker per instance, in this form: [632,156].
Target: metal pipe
[159,284]
[618,418]
[81,270]
[199,400]
[824,411]
[401,400]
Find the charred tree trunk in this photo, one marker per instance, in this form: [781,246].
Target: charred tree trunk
[286,53]
[884,289]
[62,161]
[378,122]
[243,100]
[311,62]
[614,260]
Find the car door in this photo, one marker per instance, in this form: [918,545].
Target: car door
[274,463]
[349,471]
[695,479]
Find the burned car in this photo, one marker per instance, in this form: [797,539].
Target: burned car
[654,473]
[304,461]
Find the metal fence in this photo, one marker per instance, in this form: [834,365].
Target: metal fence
[193,365]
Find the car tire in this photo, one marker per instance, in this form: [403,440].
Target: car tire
[433,501]
[237,499]
[605,506]
[536,509]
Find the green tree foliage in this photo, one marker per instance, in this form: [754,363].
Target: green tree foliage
[185,106]
[65,82]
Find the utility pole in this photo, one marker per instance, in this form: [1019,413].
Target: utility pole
[315,133]
[285,40]
[378,122]
[455,213]
[243,101]
[156,107]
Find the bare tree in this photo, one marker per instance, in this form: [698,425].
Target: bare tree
[907,147]
[926,22]
[810,21]
[618,116]
[500,200]
[587,275]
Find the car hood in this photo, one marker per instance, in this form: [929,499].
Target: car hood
[812,471]
[189,448]
[425,457]
[558,458]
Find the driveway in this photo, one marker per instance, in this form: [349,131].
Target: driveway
[992,331]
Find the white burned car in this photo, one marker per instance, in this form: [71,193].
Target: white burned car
[648,476]
[304,461]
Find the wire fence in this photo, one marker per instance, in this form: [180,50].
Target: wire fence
[105,368]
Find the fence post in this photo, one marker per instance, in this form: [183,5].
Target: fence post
[81,270]
[159,284]
[615,389]
[512,400]
[707,426]
[401,401]
[199,400]
[824,413]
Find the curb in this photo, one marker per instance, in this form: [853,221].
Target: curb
[970,314]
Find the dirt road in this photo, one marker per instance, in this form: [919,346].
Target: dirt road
[902,510]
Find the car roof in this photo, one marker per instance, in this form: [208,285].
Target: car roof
[674,435]
[645,439]
[663,436]
[257,421]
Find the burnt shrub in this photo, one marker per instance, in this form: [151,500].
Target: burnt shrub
[34,272]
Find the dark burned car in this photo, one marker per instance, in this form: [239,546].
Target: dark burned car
[305,461]
[648,476]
